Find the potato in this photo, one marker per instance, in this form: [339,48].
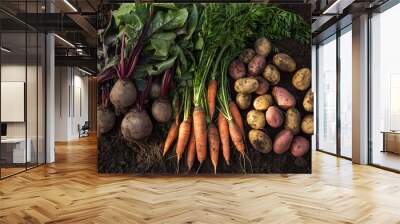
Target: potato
[246,85]
[256,65]
[302,79]
[300,146]
[237,69]
[263,85]
[282,141]
[246,55]
[307,124]
[284,62]
[255,119]
[263,102]
[292,121]
[260,141]
[283,98]
[308,101]
[243,100]
[274,117]
[262,46]
[272,74]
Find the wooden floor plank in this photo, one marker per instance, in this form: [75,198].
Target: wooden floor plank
[71,191]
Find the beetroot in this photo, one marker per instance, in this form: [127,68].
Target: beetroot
[136,125]
[105,120]
[123,94]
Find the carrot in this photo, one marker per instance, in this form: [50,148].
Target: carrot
[172,134]
[224,135]
[214,142]
[237,117]
[237,137]
[183,138]
[191,151]
[200,133]
[211,96]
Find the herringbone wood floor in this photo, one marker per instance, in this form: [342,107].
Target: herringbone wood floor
[71,191]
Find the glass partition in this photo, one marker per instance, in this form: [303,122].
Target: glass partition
[22,77]
[327,95]
[346,92]
[385,89]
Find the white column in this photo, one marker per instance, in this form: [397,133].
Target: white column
[50,93]
[360,90]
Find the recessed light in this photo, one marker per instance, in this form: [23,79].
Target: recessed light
[70,5]
[5,50]
[64,40]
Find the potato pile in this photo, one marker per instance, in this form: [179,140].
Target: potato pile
[269,105]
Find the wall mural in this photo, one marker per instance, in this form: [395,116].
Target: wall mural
[204,88]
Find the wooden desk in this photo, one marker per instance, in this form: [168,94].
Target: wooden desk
[391,141]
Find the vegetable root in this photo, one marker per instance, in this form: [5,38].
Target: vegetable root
[183,139]
[211,95]
[237,117]
[191,151]
[224,135]
[214,144]
[171,137]
[200,133]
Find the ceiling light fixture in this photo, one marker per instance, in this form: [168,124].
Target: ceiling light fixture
[337,7]
[70,5]
[84,71]
[65,41]
[5,50]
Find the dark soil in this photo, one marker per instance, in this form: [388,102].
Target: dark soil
[115,155]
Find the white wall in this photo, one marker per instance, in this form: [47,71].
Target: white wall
[71,102]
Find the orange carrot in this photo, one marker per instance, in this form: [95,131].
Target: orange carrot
[191,151]
[211,96]
[172,134]
[183,138]
[224,135]
[200,133]
[237,137]
[214,142]
[237,117]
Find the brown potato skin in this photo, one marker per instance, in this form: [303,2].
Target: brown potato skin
[263,46]
[263,85]
[246,55]
[283,98]
[255,119]
[300,146]
[284,62]
[243,100]
[272,74]
[274,117]
[246,85]
[282,141]
[308,101]
[302,79]
[292,121]
[260,141]
[256,65]
[263,102]
[307,124]
[237,69]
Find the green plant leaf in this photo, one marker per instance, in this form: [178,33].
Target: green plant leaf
[176,18]
[158,68]
[192,22]
[161,43]
[124,9]
[165,5]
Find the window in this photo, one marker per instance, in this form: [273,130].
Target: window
[346,92]
[385,89]
[327,95]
